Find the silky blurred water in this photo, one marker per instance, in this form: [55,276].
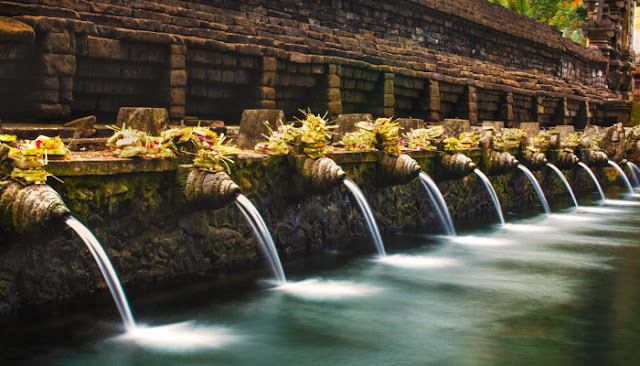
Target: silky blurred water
[559,289]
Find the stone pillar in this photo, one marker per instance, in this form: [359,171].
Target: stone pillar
[562,112]
[538,108]
[54,68]
[177,81]
[334,96]
[389,97]
[265,93]
[506,108]
[472,105]
[433,101]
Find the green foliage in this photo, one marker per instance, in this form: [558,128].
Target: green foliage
[383,130]
[565,15]
[423,138]
[570,142]
[313,137]
[212,157]
[509,138]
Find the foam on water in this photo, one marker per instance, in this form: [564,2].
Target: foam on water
[179,337]
[580,218]
[319,289]
[481,241]
[599,210]
[416,261]
[621,203]
[526,228]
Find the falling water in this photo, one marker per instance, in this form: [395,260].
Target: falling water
[633,169]
[368,214]
[107,270]
[267,245]
[623,176]
[438,202]
[536,186]
[492,193]
[565,181]
[595,180]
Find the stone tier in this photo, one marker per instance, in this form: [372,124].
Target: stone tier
[427,59]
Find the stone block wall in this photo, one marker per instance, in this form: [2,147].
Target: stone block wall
[179,240]
[212,59]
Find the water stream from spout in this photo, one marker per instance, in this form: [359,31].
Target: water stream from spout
[492,193]
[633,169]
[595,179]
[367,213]
[107,270]
[623,175]
[536,186]
[259,227]
[565,181]
[438,202]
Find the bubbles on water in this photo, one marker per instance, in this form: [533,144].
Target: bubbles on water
[179,337]
[416,261]
[319,289]
[481,241]
[598,210]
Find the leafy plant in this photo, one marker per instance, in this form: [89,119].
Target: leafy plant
[30,156]
[422,138]
[509,138]
[362,140]
[129,142]
[570,142]
[281,141]
[213,155]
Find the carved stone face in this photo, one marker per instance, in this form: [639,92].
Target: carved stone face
[614,142]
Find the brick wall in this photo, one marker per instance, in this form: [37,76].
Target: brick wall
[212,59]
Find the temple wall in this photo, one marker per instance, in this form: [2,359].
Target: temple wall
[212,59]
[136,211]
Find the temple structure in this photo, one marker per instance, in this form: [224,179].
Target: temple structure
[63,59]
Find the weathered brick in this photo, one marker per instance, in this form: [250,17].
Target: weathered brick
[178,78]
[57,65]
[106,48]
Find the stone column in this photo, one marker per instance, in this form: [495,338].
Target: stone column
[54,68]
[433,101]
[538,108]
[472,105]
[506,108]
[177,81]
[265,93]
[334,96]
[389,99]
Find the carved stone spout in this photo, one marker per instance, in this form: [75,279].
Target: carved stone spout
[533,160]
[316,176]
[497,162]
[456,166]
[210,190]
[593,158]
[562,159]
[23,208]
[614,142]
[400,169]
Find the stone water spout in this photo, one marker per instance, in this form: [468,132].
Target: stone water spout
[23,208]
[562,159]
[456,166]
[593,158]
[211,190]
[533,160]
[498,162]
[401,169]
[26,207]
[317,176]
